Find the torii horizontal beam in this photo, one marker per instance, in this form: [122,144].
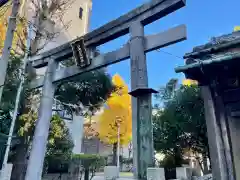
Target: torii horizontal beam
[152,42]
[145,14]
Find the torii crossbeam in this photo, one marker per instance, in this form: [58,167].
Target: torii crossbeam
[138,45]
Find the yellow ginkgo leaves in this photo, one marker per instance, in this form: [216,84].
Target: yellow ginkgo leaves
[236,28]
[189,82]
[117,114]
[109,122]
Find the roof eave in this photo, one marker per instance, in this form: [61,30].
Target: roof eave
[207,62]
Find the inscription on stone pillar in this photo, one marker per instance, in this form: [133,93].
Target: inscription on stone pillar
[141,107]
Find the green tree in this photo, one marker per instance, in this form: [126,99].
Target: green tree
[88,91]
[11,84]
[179,125]
[59,149]
[5,120]
[7,103]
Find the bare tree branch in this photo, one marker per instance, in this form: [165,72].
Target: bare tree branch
[53,12]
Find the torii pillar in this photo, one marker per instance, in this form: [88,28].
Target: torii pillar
[143,152]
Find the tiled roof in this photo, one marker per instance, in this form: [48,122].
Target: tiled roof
[216,44]
[219,40]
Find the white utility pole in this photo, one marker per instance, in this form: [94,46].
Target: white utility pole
[20,87]
[8,44]
[118,146]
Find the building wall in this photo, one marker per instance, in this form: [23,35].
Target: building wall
[95,146]
[76,130]
[56,176]
[78,25]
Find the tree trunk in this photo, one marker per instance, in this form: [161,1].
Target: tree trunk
[208,156]
[205,165]
[200,164]
[178,157]
[20,159]
[86,174]
[114,162]
[129,150]
[20,163]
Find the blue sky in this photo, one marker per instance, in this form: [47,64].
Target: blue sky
[203,18]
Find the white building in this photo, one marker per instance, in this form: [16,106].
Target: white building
[77,18]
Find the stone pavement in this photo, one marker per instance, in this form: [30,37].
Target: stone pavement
[129,176]
[123,176]
[206,177]
[98,176]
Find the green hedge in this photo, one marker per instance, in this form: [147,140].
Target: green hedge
[90,163]
[88,160]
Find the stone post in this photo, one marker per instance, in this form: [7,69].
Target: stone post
[6,172]
[184,173]
[37,155]
[111,172]
[77,132]
[155,174]
[143,154]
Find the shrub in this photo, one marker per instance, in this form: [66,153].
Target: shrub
[90,163]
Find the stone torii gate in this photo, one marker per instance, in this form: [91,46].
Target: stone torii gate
[133,23]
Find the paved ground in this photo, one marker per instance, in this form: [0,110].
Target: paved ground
[99,176]
[123,176]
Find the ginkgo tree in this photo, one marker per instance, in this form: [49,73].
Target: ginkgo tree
[189,82]
[115,123]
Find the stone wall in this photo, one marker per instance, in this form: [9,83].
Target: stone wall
[55,176]
[95,146]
